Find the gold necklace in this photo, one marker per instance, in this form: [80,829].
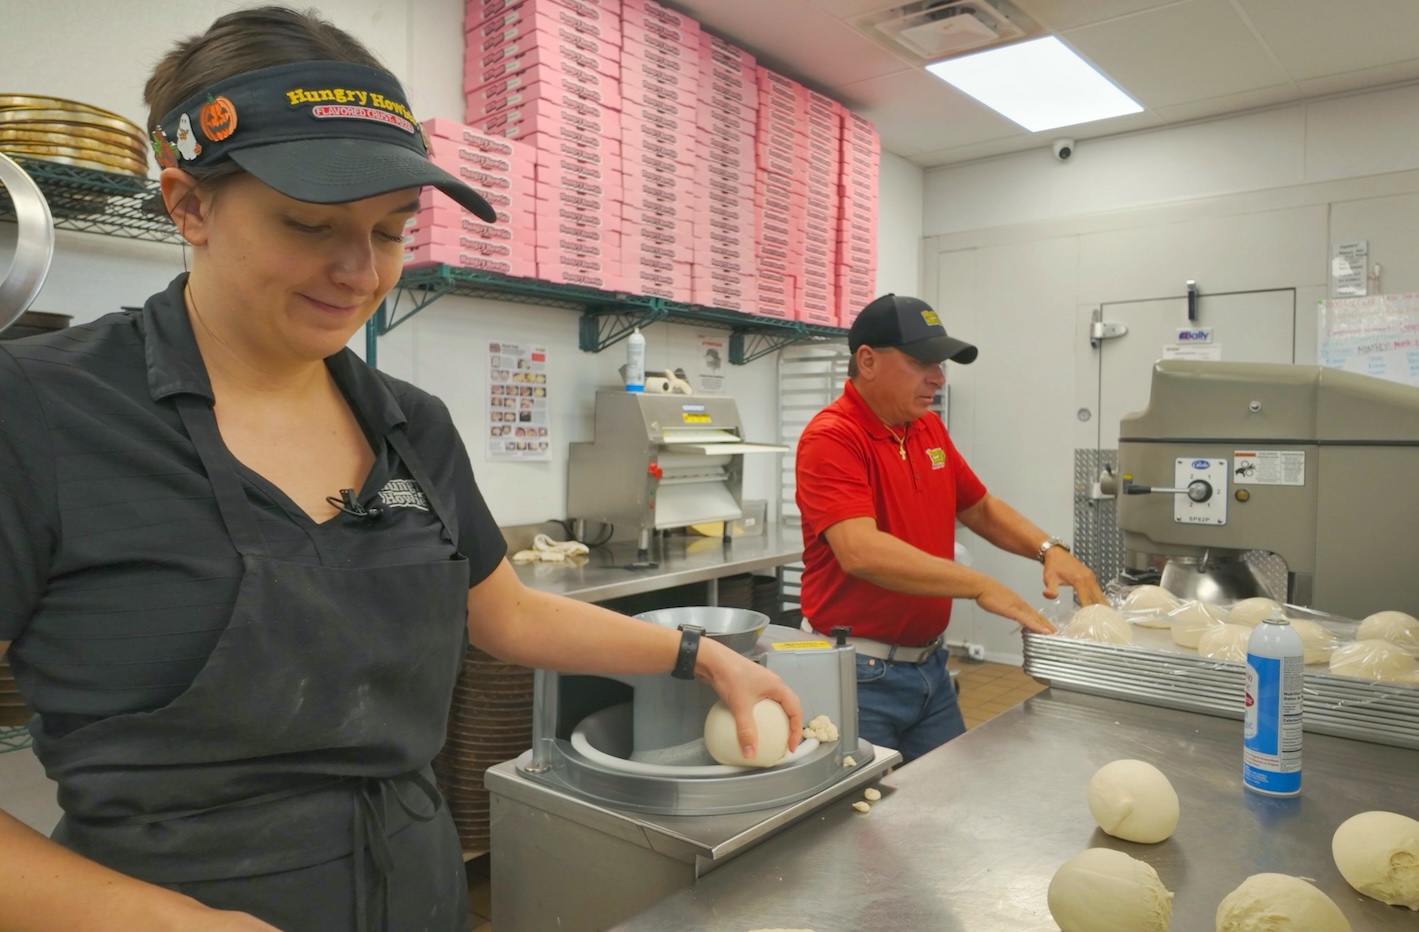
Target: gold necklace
[901,441]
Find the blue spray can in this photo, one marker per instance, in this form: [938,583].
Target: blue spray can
[1271,756]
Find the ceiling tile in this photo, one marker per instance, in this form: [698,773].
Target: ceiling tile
[1312,38]
[1397,73]
[1229,103]
[1067,14]
[1133,122]
[1187,51]
[852,9]
[793,37]
[917,112]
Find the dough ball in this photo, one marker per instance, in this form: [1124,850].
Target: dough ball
[1102,890]
[1250,612]
[1099,623]
[1279,903]
[1375,660]
[1193,618]
[1395,627]
[1133,800]
[1225,642]
[722,741]
[1154,602]
[1318,640]
[1378,854]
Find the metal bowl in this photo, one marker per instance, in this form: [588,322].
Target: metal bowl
[34,246]
[1220,577]
[736,628]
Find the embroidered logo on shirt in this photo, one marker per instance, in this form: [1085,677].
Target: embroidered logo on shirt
[403,493]
[937,457]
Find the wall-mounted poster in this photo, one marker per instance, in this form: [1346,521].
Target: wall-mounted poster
[519,426]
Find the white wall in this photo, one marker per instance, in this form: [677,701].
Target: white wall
[75,49]
[1021,248]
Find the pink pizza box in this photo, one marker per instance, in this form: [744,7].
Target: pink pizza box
[663,56]
[676,120]
[721,112]
[656,93]
[679,238]
[643,135]
[545,116]
[852,122]
[461,258]
[726,188]
[542,60]
[656,41]
[721,133]
[645,64]
[637,159]
[423,233]
[728,282]
[563,28]
[454,217]
[675,285]
[570,102]
[508,91]
[855,253]
[601,281]
[578,261]
[640,176]
[546,148]
[725,53]
[454,159]
[717,98]
[644,206]
[515,186]
[596,17]
[828,152]
[443,132]
[560,227]
[650,142]
[512,210]
[743,301]
[652,19]
[729,179]
[563,171]
[725,215]
[573,212]
[578,48]
[649,223]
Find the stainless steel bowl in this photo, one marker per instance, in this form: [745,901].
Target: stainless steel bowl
[34,247]
[1220,577]
[735,628]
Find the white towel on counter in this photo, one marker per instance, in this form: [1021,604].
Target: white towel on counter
[546,550]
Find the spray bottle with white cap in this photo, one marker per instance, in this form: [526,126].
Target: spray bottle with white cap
[635,362]
[1271,756]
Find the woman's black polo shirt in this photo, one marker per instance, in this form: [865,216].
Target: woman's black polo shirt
[116,573]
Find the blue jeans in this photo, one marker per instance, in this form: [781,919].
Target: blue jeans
[908,706]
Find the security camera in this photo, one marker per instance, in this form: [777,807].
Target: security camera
[1063,149]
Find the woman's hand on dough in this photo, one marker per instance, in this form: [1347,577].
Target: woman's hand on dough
[740,683]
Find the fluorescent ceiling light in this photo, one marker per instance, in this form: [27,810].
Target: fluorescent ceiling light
[1040,84]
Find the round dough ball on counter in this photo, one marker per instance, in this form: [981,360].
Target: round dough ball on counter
[1225,642]
[1133,800]
[1375,660]
[1099,623]
[1279,903]
[1193,618]
[1378,854]
[722,739]
[1153,602]
[1102,890]
[1250,612]
[1317,640]
[1395,627]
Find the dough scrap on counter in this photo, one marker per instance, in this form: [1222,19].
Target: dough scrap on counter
[1099,623]
[872,794]
[821,728]
[1395,627]
[1378,854]
[722,738]
[1279,903]
[849,762]
[1188,622]
[1102,890]
[1374,659]
[1251,612]
[861,806]
[1133,800]
[1225,642]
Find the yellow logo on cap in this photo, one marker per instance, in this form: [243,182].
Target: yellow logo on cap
[930,317]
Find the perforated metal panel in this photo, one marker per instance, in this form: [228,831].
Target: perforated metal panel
[1098,542]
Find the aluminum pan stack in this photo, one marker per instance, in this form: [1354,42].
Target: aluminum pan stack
[1154,671]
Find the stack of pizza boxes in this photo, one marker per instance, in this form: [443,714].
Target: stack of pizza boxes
[660,87]
[817,289]
[443,233]
[726,262]
[547,74]
[857,224]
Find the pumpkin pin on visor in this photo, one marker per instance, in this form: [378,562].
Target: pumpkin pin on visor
[322,132]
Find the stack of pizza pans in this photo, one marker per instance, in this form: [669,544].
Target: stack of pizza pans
[13,711]
[71,133]
[490,722]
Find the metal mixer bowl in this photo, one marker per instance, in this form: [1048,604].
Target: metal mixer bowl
[736,628]
[34,245]
[1217,576]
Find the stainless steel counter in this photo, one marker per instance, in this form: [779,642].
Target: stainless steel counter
[968,837]
[682,560]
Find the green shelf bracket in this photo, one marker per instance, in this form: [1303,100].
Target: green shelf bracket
[603,327]
[90,201]
[745,346]
[14,739]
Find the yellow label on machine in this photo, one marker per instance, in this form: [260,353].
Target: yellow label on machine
[696,418]
[802,645]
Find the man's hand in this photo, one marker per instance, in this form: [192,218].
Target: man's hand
[998,600]
[1062,568]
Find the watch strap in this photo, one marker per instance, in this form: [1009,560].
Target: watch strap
[1047,545]
[689,650]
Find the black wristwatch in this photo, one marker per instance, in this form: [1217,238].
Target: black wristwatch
[689,649]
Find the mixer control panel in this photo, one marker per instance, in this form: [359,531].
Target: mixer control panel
[1200,495]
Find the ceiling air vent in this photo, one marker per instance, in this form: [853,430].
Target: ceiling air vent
[930,30]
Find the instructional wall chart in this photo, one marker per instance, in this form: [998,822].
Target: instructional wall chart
[1376,335]
[518,425]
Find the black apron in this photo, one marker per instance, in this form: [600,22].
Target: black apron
[291,780]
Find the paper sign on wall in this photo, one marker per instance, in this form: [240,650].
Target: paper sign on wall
[1348,262]
[714,356]
[519,427]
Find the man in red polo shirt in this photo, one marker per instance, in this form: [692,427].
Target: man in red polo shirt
[880,488]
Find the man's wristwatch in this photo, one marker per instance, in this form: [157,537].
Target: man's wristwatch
[689,649]
[1045,548]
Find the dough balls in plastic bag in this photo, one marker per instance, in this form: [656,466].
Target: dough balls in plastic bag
[1099,623]
[1395,627]
[1250,612]
[1102,890]
[1225,642]
[1150,603]
[1193,618]
[1375,660]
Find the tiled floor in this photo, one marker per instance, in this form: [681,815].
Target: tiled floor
[987,689]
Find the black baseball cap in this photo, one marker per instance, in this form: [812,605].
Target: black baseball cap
[323,132]
[910,325]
